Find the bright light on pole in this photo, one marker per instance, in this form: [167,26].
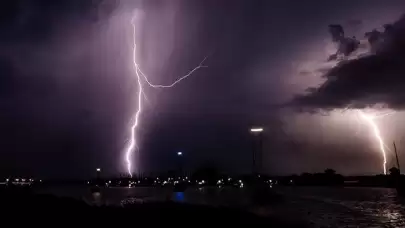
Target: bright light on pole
[258,129]
[98,170]
[257,149]
[180,161]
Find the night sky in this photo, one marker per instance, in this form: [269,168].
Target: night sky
[68,91]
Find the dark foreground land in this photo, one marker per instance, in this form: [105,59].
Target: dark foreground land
[24,208]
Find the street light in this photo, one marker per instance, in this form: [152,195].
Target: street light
[98,173]
[257,129]
[257,150]
[180,155]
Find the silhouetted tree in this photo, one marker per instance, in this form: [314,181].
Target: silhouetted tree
[394,171]
[330,172]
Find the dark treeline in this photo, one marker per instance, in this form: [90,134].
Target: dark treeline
[331,178]
[328,178]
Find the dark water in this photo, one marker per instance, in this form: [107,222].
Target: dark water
[345,207]
[319,207]
[119,195]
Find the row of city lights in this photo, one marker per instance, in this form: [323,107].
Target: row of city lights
[173,181]
[21,180]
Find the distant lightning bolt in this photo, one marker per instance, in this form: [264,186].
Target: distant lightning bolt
[377,134]
[140,75]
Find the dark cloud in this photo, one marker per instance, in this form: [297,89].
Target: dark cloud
[25,20]
[378,78]
[346,45]
[48,110]
[6,79]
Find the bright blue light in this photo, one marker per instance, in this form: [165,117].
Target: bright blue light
[179,197]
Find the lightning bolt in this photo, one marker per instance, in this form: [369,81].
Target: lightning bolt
[377,134]
[139,76]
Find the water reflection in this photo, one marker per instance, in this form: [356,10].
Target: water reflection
[97,199]
[324,207]
[392,216]
[179,197]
